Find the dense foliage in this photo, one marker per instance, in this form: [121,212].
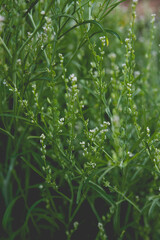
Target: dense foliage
[79,121]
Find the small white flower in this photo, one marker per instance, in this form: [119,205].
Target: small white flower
[93,64]
[92,130]
[112,56]
[73,78]
[130,154]
[4,82]
[60,55]
[19,61]
[136,74]
[100,225]
[148,130]
[135,1]
[153,15]
[127,40]
[107,123]
[42,136]
[75,224]
[34,86]
[103,40]
[1,18]
[43,12]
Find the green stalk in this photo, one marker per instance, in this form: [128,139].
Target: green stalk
[5,47]
[45,54]
[14,80]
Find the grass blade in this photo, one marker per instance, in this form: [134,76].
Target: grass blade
[102,193]
[32,167]
[7,215]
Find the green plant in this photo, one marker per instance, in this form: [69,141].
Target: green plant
[79,115]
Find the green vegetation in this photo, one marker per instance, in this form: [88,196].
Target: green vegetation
[79,121]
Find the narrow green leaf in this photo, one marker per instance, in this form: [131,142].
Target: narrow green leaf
[32,167]
[152,207]
[83,23]
[31,209]
[7,214]
[42,216]
[33,3]
[126,198]
[101,192]
[68,16]
[33,137]
[79,191]
[14,116]
[7,133]
[112,33]
[111,7]
[31,36]
[105,172]
[96,23]
[5,47]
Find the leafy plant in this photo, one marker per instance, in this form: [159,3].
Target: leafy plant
[79,110]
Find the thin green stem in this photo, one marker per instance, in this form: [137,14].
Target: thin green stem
[5,47]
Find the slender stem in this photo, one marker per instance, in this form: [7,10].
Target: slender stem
[5,47]
[30,37]
[45,54]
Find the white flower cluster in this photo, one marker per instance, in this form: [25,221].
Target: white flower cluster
[73,89]
[137,74]
[112,56]
[11,88]
[84,147]
[134,3]
[153,17]
[128,44]
[94,130]
[61,121]
[61,58]
[102,231]
[130,154]
[43,147]
[43,12]
[23,102]
[42,137]
[48,28]
[91,164]
[103,40]
[99,133]
[129,89]
[104,127]
[19,62]
[148,132]
[5,83]
[35,94]
[45,35]
[75,225]
[73,78]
